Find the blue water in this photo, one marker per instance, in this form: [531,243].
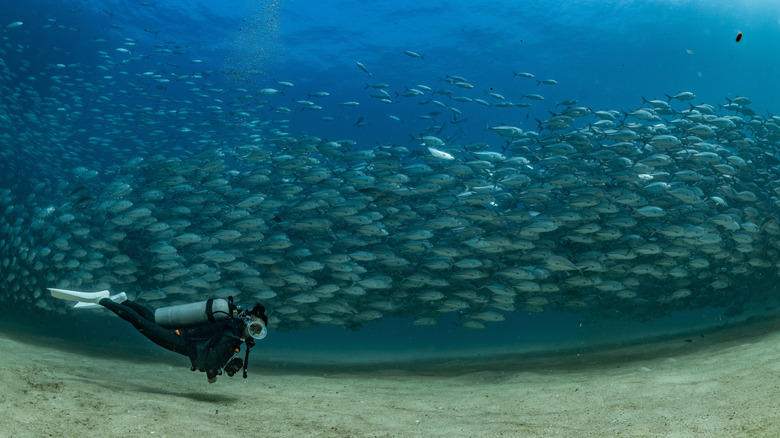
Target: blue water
[607,55]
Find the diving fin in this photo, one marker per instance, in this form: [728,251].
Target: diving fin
[87,300]
[72,295]
[83,305]
[118,298]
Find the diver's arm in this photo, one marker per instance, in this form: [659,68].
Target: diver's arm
[213,354]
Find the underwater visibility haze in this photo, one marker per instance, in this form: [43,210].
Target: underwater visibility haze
[466,164]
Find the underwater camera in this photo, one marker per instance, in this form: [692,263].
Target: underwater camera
[233,366]
[255,329]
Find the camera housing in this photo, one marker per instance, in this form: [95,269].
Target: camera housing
[233,366]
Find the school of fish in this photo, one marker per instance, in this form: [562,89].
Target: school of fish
[111,180]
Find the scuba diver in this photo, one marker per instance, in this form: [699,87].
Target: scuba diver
[209,332]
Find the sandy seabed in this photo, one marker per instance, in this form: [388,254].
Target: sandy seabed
[726,384]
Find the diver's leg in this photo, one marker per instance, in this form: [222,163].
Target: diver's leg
[143,311]
[161,336]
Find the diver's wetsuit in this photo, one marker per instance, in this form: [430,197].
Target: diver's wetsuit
[209,346]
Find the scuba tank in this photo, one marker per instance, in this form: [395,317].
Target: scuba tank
[190,315]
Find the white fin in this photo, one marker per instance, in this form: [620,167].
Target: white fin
[72,295]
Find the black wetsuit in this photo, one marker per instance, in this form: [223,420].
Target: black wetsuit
[209,346]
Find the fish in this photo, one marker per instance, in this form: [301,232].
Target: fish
[268,91]
[440,154]
[284,83]
[413,54]
[682,96]
[363,67]
[430,140]
[507,131]
[211,187]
